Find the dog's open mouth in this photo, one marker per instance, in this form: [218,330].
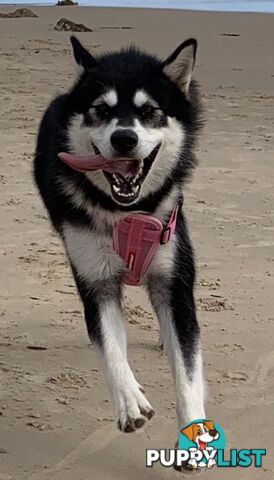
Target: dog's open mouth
[125,175]
[126,186]
[202,445]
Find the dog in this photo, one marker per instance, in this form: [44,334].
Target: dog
[202,434]
[120,144]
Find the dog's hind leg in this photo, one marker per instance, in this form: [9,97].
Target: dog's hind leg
[172,298]
[106,330]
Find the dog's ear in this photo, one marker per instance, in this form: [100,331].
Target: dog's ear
[179,65]
[189,432]
[209,424]
[83,58]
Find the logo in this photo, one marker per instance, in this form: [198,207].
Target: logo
[202,439]
[201,444]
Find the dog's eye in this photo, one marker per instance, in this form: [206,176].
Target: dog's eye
[147,111]
[103,111]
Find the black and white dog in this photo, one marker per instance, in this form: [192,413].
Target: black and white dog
[134,105]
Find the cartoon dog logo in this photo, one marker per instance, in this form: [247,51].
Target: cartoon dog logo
[201,433]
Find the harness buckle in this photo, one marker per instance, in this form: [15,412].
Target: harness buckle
[165,235]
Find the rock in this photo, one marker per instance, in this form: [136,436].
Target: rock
[66,3]
[20,12]
[66,25]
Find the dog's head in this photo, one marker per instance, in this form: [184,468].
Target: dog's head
[130,105]
[201,433]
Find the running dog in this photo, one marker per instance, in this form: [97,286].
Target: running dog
[112,157]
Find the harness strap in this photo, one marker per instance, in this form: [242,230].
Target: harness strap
[171,226]
[136,239]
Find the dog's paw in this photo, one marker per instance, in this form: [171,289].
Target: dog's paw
[131,424]
[190,467]
[133,410]
[187,468]
[211,463]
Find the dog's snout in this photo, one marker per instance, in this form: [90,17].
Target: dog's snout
[213,433]
[124,140]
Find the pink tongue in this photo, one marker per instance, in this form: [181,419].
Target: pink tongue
[202,445]
[88,163]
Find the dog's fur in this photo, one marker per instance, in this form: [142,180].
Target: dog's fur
[159,101]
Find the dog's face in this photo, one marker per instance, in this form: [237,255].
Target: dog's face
[201,433]
[132,106]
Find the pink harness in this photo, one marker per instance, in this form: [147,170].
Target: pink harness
[136,239]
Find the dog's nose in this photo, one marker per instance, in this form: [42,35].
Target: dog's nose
[124,140]
[213,433]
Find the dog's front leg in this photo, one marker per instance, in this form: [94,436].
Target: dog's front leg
[174,304]
[106,330]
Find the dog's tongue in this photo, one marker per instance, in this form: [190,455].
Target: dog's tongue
[88,163]
[202,445]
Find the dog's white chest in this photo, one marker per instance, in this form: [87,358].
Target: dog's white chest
[95,260]
[91,254]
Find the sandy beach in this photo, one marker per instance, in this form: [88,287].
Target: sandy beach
[56,418]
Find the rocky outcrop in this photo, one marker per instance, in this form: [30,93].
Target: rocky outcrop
[65,25]
[66,3]
[21,12]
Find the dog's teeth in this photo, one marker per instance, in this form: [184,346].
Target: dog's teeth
[116,189]
[116,180]
[137,176]
[135,189]
[125,194]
